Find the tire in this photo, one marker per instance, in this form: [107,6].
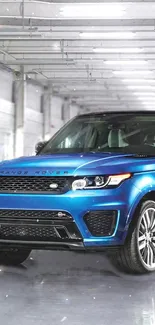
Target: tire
[14,256]
[138,253]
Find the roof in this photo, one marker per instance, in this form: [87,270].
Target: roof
[138,112]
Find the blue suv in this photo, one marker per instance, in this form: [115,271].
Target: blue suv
[90,187]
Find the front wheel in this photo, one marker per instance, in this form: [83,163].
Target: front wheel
[14,256]
[138,253]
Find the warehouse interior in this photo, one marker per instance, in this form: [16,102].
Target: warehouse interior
[59,59]
[62,59]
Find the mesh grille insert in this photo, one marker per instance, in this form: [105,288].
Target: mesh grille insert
[19,232]
[101,223]
[35,214]
[33,184]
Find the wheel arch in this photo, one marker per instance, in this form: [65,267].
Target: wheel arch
[148,196]
[135,209]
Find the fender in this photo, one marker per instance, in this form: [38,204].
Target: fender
[145,183]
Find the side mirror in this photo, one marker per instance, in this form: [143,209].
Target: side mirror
[39,146]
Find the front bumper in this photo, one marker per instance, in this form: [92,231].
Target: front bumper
[77,204]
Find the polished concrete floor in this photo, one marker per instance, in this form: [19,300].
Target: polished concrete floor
[75,289]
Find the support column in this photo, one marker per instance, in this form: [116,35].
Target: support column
[20,104]
[46,109]
[66,109]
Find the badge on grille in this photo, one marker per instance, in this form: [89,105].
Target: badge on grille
[53,185]
[61,214]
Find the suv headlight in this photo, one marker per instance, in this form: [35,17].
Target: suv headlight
[99,182]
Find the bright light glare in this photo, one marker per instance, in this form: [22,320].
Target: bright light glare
[138,81]
[112,35]
[56,46]
[145,95]
[118,50]
[47,136]
[147,99]
[141,87]
[19,151]
[67,142]
[121,62]
[149,103]
[92,10]
[132,72]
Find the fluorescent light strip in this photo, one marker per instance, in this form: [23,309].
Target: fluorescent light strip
[92,10]
[112,35]
[118,50]
[132,72]
[142,87]
[145,94]
[148,99]
[122,62]
[149,103]
[138,81]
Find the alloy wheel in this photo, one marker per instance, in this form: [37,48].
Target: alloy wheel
[146,238]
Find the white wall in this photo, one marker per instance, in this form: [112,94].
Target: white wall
[56,114]
[60,112]
[33,128]
[74,110]
[33,96]
[6,84]
[6,115]
[6,129]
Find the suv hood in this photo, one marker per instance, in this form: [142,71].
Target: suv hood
[77,164]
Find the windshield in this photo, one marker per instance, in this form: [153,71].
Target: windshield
[128,133]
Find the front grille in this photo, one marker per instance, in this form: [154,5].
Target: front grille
[40,215]
[101,223]
[33,184]
[28,233]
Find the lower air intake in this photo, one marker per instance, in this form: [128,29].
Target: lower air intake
[101,223]
[28,233]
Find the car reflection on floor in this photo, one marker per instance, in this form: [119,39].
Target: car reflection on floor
[75,289]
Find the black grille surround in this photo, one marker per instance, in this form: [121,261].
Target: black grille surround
[101,223]
[34,184]
[37,226]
